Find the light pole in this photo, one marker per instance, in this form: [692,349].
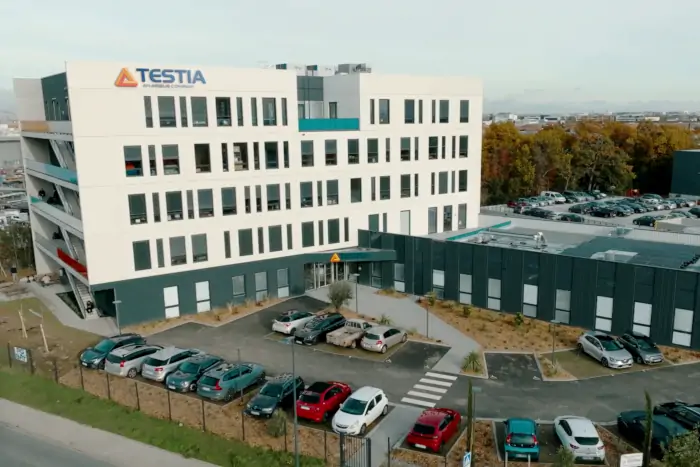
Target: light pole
[356,275]
[554,333]
[116,304]
[296,422]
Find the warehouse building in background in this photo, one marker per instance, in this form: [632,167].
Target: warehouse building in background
[176,190]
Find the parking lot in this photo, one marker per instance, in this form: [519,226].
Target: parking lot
[581,366]
[547,439]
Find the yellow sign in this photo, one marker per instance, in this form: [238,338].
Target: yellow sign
[335,258]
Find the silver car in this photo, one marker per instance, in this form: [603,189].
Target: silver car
[127,360]
[604,348]
[158,366]
[382,338]
[291,320]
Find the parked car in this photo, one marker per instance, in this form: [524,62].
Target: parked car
[680,214]
[597,194]
[521,439]
[566,217]
[225,380]
[553,195]
[642,348]
[636,207]
[604,348]
[315,330]
[94,357]
[580,208]
[126,361]
[536,201]
[694,211]
[575,196]
[158,366]
[279,392]
[682,202]
[619,210]
[350,334]
[360,410]
[321,400]
[545,201]
[433,429]
[667,205]
[688,415]
[631,425]
[519,202]
[579,436]
[650,199]
[645,221]
[603,211]
[289,321]
[382,338]
[185,378]
[586,196]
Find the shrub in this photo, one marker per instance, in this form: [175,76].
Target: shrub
[384,320]
[277,424]
[472,362]
[339,293]
[466,311]
[431,298]
[565,458]
[449,304]
[518,320]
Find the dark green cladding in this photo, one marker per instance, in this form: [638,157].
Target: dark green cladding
[686,167]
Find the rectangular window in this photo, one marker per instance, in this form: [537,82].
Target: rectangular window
[331,152]
[373,222]
[142,255]
[190,204]
[463,146]
[432,220]
[463,111]
[416,147]
[462,181]
[256,156]
[290,243]
[405,222]
[282,283]
[371,111]
[374,188]
[201,295]
[444,111]
[432,183]
[433,147]
[454,147]
[246,192]
[133,161]
[148,111]
[269,111]
[385,187]
[238,289]
[271,155]
[199,248]
[239,110]
[160,256]
[409,111]
[301,111]
[202,158]
[384,111]
[307,153]
[399,277]
[284,112]
[346,229]
[333,110]
[152,160]
[385,222]
[452,182]
[205,202]
[355,190]
[372,150]
[405,149]
[432,111]
[447,218]
[274,238]
[415,185]
[320,232]
[465,289]
[288,196]
[183,111]
[439,283]
[260,286]
[245,242]
[353,151]
[258,198]
[442,183]
[420,111]
[406,185]
[166,112]
[224,157]
[199,112]
[254,110]
[443,147]
[331,192]
[319,192]
[240,156]
[682,327]
[178,251]
[376,279]
[285,151]
[462,216]
[307,234]
[227,244]
[223,111]
[228,201]
[261,241]
[387,149]
[306,193]
[156,207]
[173,205]
[333,231]
[273,197]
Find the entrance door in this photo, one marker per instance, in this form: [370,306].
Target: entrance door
[340,272]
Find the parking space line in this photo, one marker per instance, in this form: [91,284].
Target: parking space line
[424,395]
[430,388]
[438,375]
[437,383]
[408,400]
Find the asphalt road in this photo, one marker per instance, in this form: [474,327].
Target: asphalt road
[19,449]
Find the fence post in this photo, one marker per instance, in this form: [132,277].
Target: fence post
[109,387]
[204,418]
[325,445]
[243,424]
[9,354]
[368,449]
[170,410]
[30,354]
[342,449]
[82,381]
[138,400]
[55,370]
[285,435]
[388,451]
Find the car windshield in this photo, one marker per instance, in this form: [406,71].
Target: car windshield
[189,368]
[209,381]
[520,438]
[354,407]
[423,429]
[310,398]
[586,441]
[610,344]
[271,390]
[105,346]
[315,324]
[646,344]
[111,358]
[372,337]
[284,319]
[154,362]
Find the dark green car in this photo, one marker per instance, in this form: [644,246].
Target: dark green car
[94,357]
[185,378]
[277,392]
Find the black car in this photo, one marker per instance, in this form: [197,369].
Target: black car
[636,207]
[185,378]
[315,330]
[620,210]
[631,426]
[642,348]
[695,211]
[603,211]
[687,415]
[580,208]
[277,392]
[645,221]
[94,357]
[571,218]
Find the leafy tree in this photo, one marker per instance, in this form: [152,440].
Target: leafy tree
[648,430]
[16,246]
[339,293]
[565,458]
[683,451]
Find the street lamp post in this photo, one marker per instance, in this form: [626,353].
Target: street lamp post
[296,421]
[554,333]
[357,299]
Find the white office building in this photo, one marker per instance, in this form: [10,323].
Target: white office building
[175,190]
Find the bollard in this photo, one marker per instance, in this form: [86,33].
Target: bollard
[138,400]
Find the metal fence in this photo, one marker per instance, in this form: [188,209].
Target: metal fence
[355,451]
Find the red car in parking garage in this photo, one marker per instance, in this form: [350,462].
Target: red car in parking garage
[321,400]
[434,429]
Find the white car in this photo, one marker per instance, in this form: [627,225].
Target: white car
[360,410]
[553,196]
[579,436]
[291,320]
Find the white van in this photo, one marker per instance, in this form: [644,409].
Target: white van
[553,195]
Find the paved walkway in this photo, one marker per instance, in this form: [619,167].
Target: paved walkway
[407,314]
[105,448]
[389,432]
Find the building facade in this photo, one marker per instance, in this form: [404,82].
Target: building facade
[686,168]
[166,191]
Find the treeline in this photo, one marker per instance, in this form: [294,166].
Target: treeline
[611,157]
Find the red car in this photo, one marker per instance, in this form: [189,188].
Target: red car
[520,202]
[321,400]
[434,428]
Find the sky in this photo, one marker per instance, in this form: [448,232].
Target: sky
[551,54]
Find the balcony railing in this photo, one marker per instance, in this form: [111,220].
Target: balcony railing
[52,171]
[329,124]
[57,215]
[64,127]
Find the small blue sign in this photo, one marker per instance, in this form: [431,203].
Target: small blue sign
[467,459]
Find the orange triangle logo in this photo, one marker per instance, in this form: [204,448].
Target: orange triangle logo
[125,80]
[335,258]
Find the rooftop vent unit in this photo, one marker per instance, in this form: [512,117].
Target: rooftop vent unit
[352,68]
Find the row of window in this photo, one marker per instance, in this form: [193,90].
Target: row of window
[169,109]
[275,155]
[447,218]
[439,111]
[277,197]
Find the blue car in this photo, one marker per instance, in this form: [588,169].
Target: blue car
[521,439]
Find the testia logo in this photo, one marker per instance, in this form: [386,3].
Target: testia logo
[159,78]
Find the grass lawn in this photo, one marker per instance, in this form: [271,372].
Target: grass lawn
[74,404]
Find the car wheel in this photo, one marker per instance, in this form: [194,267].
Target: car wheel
[605,363]
[384,349]
[638,360]
[363,429]
[193,387]
[325,417]
[442,447]
[228,397]
[385,410]
[353,344]
[131,373]
[404,338]
[579,348]
[101,365]
[292,331]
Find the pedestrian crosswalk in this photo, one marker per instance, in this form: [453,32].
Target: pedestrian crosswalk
[429,389]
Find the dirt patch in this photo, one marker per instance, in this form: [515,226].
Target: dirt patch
[153,400]
[95,382]
[614,446]
[676,355]
[186,409]
[391,293]
[123,391]
[553,370]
